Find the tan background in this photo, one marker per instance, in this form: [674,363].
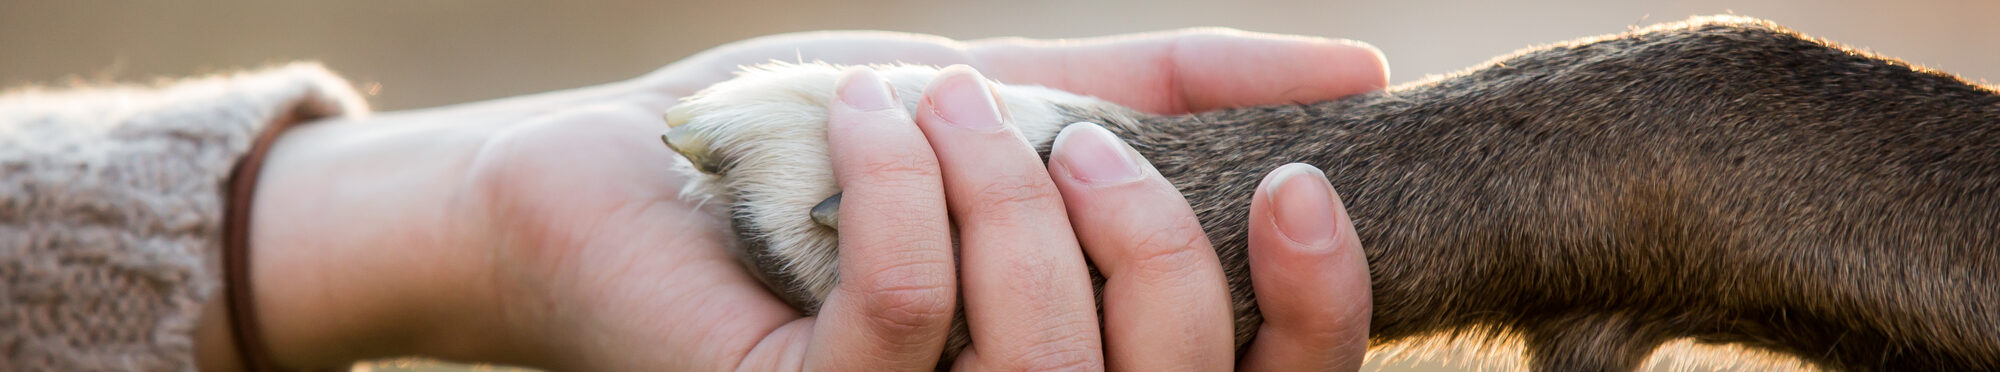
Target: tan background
[430,52]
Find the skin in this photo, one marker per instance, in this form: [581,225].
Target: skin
[543,230]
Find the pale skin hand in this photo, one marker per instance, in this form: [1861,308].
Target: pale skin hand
[543,230]
[1022,244]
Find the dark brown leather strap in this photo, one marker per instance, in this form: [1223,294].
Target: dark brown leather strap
[242,190]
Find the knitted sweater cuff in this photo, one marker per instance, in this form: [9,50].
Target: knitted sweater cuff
[111,204]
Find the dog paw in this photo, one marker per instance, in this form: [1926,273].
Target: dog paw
[758,143]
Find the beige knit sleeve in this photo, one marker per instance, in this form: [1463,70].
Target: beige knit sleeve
[111,211]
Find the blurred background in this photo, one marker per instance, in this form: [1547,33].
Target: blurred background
[413,54]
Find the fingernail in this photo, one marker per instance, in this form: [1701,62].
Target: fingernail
[1094,156]
[1302,201]
[864,90]
[960,96]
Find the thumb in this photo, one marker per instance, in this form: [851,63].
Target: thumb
[1309,274]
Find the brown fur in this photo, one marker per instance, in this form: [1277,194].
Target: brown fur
[1724,180]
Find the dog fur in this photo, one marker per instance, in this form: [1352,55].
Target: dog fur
[1722,180]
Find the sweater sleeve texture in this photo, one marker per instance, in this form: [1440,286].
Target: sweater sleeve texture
[111,210]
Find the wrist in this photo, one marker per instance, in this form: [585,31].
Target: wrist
[369,239]
[358,243]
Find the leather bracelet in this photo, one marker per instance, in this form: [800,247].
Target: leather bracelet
[241,192]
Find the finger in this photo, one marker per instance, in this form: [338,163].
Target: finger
[1190,70]
[1309,274]
[1166,302]
[1027,291]
[893,305]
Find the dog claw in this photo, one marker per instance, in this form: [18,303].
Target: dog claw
[827,213]
[678,116]
[682,140]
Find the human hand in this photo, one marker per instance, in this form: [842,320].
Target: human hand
[1170,72]
[1027,292]
[543,230]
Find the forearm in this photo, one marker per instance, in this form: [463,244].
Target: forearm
[369,237]
[352,235]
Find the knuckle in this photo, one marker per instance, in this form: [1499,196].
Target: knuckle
[1006,196]
[912,297]
[1168,249]
[900,166]
[1066,354]
[911,313]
